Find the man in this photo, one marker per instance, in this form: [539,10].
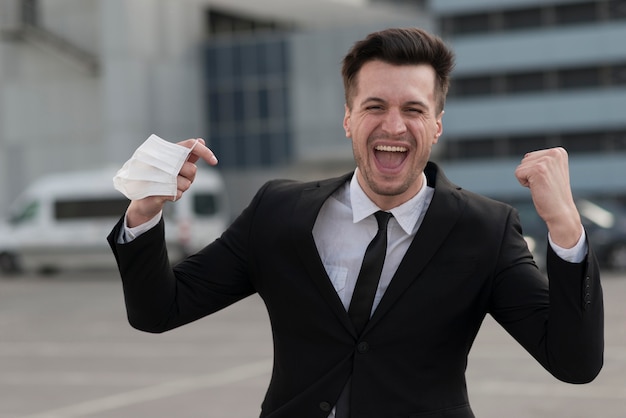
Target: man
[451,258]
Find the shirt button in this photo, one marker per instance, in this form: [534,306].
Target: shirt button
[363,347]
[325,406]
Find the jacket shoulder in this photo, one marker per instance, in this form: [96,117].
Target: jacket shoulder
[290,186]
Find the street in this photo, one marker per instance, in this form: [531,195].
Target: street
[67,351]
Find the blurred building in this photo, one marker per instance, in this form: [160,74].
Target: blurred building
[533,74]
[84,82]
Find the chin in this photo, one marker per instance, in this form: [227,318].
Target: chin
[389,189]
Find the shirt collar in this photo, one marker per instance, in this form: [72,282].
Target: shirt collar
[407,214]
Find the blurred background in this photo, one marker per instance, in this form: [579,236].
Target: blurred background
[84,82]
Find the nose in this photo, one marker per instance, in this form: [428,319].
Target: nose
[393,123]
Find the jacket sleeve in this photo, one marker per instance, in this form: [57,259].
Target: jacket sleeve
[559,320]
[160,297]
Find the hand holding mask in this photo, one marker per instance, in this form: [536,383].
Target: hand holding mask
[152,170]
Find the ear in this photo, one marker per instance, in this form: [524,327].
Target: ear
[439,122]
[346,121]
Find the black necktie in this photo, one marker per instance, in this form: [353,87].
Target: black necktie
[369,275]
[364,293]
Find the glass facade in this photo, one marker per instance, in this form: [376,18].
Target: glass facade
[590,142]
[246,68]
[246,80]
[544,16]
[576,75]
[602,75]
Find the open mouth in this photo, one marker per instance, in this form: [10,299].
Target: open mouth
[390,157]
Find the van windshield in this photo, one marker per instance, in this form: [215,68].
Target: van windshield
[27,213]
[90,208]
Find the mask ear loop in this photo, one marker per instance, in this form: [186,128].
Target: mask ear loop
[189,152]
[194,145]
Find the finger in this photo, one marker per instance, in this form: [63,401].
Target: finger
[521,175]
[191,143]
[556,153]
[188,170]
[533,163]
[524,169]
[198,150]
[201,151]
[182,185]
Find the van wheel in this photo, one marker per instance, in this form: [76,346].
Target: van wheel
[8,263]
[48,271]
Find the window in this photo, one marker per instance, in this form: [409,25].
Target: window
[579,77]
[616,140]
[522,19]
[472,148]
[618,75]
[420,4]
[517,146]
[524,82]
[583,142]
[576,13]
[534,81]
[221,22]
[474,23]
[472,86]
[90,208]
[617,9]
[521,145]
[30,12]
[535,17]
[204,204]
[26,214]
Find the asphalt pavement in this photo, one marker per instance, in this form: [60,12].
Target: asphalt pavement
[66,350]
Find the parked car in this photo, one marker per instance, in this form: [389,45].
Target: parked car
[61,221]
[605,224]
[604,221]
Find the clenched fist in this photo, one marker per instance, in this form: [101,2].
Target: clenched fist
[546,174]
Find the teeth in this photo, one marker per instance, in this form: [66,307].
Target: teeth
[388,148]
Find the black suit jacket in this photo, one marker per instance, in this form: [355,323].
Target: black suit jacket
[468,259]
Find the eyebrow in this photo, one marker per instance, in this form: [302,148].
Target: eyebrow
[409,103]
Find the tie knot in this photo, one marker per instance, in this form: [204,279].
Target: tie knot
[382,218]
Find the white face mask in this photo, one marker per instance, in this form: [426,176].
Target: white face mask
[152,170]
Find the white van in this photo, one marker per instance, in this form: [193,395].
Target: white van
[61,221]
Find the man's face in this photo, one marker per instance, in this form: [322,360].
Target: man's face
[393,125]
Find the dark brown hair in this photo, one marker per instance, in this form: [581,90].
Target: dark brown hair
[400,46]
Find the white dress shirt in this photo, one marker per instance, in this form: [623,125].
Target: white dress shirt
[345,226]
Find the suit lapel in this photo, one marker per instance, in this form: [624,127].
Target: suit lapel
[307,208]
[444,210]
